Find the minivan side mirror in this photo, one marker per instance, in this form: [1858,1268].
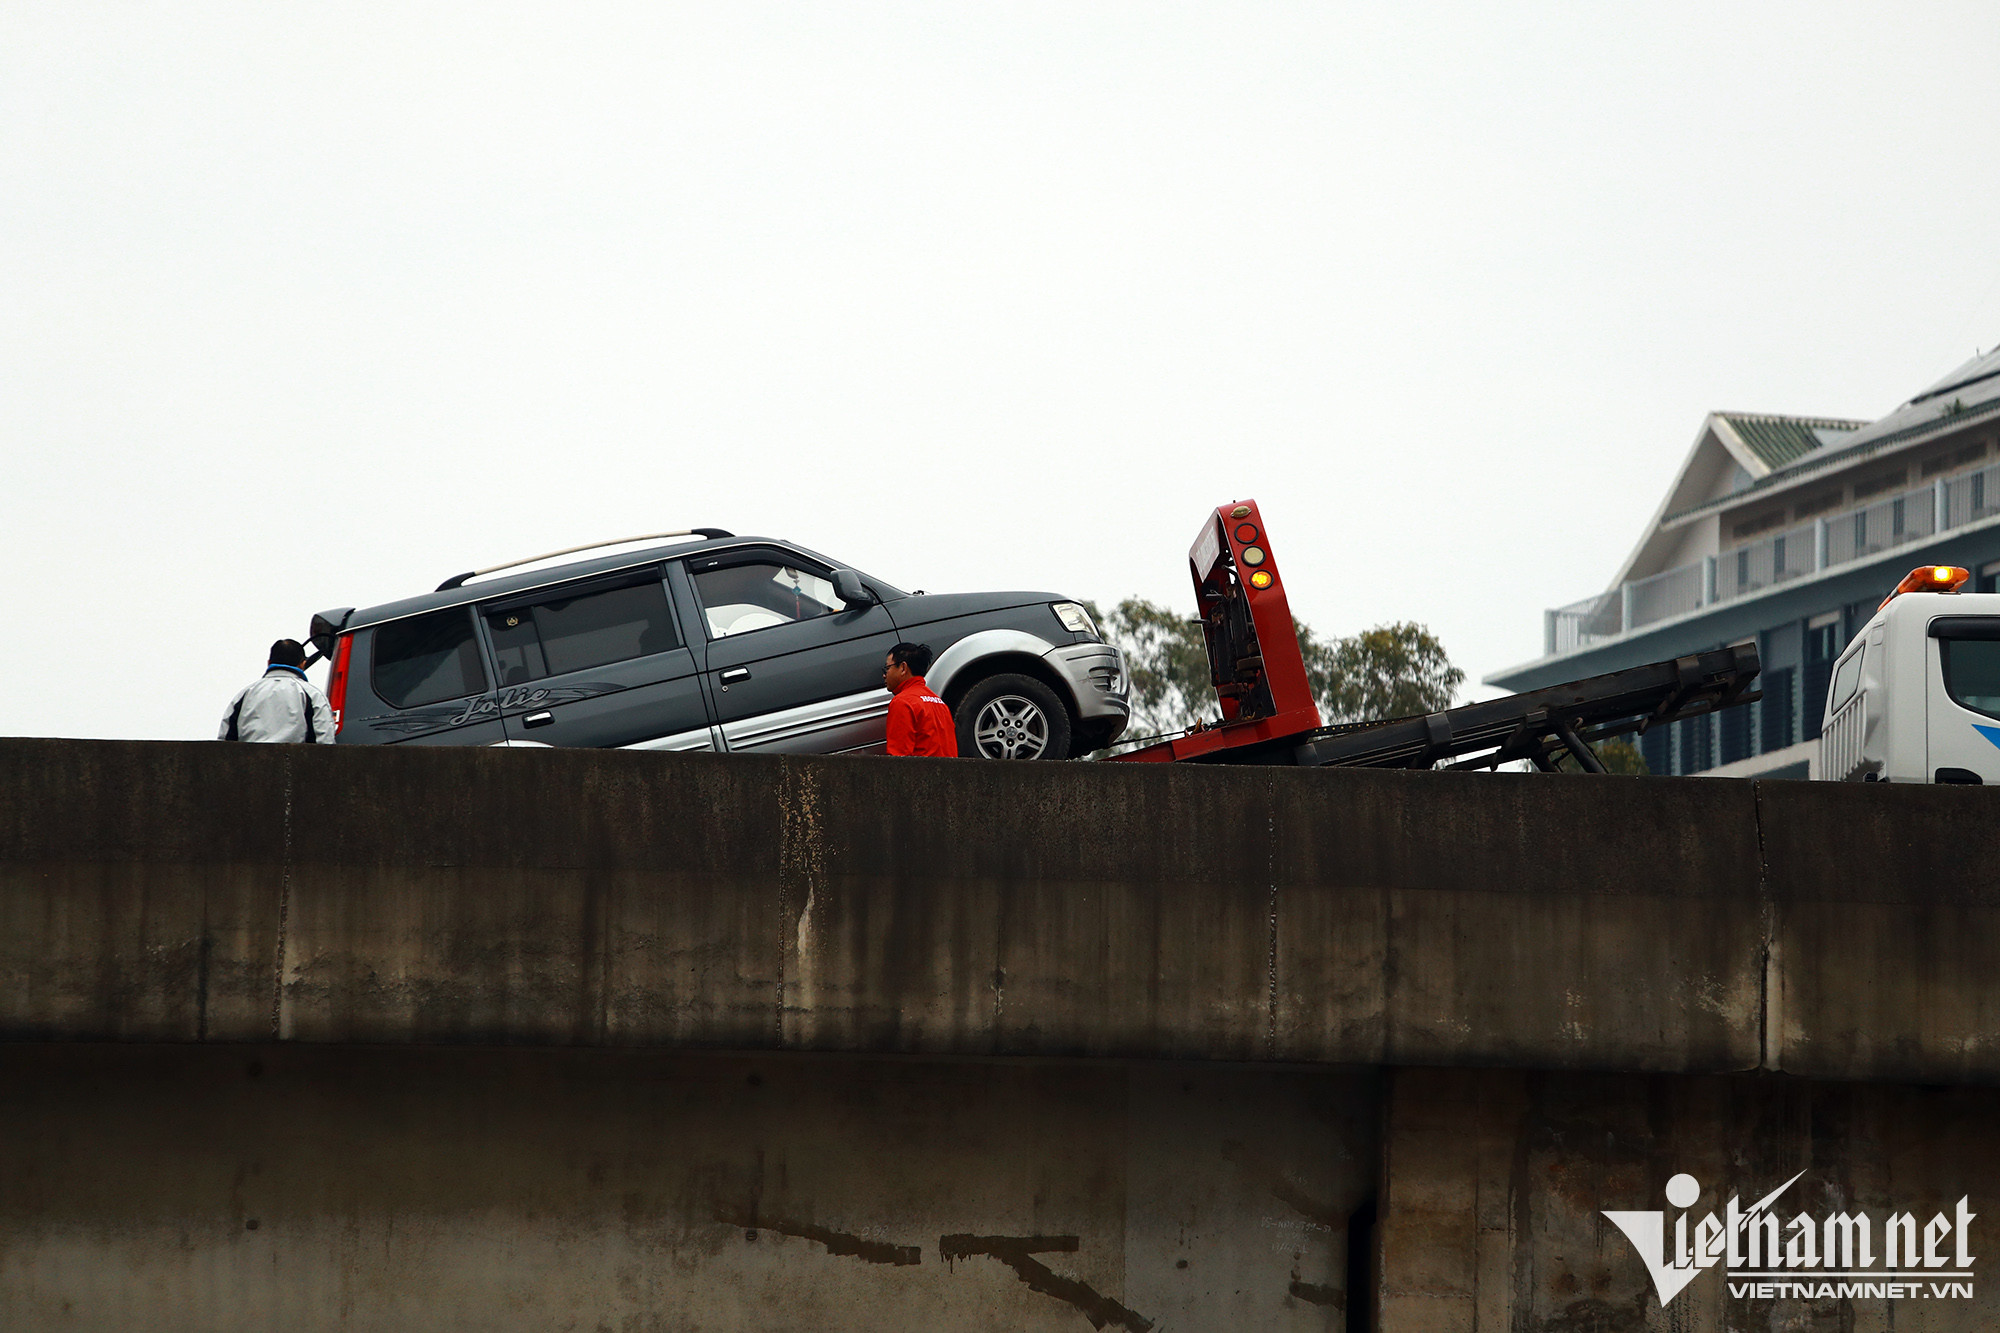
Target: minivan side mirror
[849,588]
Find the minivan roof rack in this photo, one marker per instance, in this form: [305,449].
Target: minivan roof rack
[458,580]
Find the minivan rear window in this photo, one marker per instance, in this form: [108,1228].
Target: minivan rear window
[427,658]
[1972,673]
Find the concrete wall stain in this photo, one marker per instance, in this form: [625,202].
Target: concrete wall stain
[1017,1252]
[1319,1295]
[836,1242]
[1595,1316]
[801,874]
[1265,1167]
[1271,923]
[284,907]
[1288,1193]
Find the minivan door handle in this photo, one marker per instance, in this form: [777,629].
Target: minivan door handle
[735,674]
[538,719]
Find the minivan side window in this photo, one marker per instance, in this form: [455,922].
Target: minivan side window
[1846,679]
[738,598]
[428,658]
[1972,673]
[581,628]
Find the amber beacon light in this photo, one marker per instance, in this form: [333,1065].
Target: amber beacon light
[1930,578]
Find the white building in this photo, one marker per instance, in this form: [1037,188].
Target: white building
[1788,531]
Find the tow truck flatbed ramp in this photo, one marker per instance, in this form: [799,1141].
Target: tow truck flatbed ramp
[1269,715]
[1541,725]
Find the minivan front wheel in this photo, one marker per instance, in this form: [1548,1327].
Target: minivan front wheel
[1012,717]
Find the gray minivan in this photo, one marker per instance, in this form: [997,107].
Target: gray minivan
[715,642]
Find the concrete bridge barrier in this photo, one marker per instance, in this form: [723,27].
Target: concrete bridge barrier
[414,1038]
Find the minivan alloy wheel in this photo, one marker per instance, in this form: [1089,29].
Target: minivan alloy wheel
[1011,715]
[1011,727]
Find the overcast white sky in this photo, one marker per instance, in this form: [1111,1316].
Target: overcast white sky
[313,306]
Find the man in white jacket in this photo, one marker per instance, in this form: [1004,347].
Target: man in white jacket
[283,706]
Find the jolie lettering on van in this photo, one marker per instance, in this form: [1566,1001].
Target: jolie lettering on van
[519,699]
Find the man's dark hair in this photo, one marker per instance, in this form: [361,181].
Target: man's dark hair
[287,652]
[912,655]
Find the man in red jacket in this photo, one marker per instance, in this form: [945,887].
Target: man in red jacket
[919,722]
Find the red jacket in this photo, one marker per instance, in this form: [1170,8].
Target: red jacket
[920,723]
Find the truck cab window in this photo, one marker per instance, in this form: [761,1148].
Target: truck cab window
[1847,679]
[739,598]
[1972,673]
[427,659]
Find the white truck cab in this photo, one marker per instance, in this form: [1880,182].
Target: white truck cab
[1916,695]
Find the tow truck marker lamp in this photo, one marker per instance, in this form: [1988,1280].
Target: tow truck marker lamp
[1241,511]
[1246,532]
[1253,556]
[1260,579]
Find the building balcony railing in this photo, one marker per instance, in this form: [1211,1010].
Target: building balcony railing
[1824,543]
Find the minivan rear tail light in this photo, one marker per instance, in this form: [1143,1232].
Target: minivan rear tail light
[336,681]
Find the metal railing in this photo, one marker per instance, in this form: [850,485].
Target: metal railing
[1664,596]
[1580,624]
[1753,567]
[1881,526]
[1765,564]
[1972,497]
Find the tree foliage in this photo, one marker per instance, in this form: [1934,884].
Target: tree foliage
[1166,663]
[1618,755]
[1389,671]
[1395,670]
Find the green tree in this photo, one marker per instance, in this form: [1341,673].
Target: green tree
[1167,664]
[1389,671]
[1395,670]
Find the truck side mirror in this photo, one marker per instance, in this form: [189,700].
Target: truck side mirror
[849,588]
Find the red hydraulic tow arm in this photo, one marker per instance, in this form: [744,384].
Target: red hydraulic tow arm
[1253,645]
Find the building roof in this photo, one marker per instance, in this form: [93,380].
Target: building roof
[1779,441]
[1970,392]
[1973,387]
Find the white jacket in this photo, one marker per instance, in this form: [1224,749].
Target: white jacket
[283,706]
